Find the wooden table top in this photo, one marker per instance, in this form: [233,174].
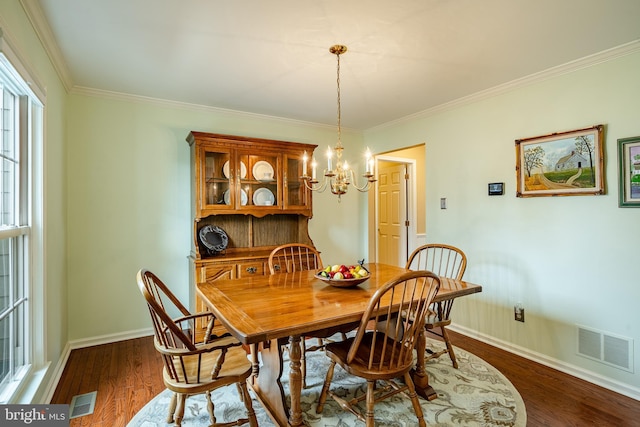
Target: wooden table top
[261,308]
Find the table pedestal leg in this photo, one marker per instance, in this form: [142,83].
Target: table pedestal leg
[419,374]
[268,387]
[295,381]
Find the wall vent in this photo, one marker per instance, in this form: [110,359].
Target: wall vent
[82,404]
[606,348]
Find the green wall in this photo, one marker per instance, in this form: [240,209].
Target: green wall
[569,260]
[129,202]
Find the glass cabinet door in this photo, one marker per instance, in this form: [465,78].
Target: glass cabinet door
[259,186]
[295,193]
[216,176]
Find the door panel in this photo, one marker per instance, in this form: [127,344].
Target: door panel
[383,215]
[392,214]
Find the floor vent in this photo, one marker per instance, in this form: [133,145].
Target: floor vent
[82,404]
[607,348]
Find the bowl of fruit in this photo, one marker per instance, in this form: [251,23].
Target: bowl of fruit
[343,276]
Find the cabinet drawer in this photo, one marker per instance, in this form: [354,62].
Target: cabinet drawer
[219,271]
[254,268]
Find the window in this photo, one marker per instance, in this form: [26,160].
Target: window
[21,336]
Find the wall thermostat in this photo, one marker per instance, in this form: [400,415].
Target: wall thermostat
[496,188]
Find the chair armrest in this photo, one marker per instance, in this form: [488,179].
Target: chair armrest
[195,316]
[213,331]
[201,348]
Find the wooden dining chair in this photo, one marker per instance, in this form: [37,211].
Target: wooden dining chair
[384,354]
[294,257]
[195,361]
[445,261]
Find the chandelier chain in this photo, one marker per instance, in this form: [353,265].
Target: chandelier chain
[339,111]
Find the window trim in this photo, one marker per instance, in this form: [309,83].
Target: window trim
[13,60]
[32,102]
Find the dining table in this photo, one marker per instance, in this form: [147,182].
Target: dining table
[272,313]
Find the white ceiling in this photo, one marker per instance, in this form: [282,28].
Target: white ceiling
[272,57]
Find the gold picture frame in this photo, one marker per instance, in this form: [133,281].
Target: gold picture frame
[567,163]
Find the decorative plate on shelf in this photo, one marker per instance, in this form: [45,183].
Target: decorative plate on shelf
[214,238]
[263,171]
[243,169]
[263,197]
[342,283]
[243,197]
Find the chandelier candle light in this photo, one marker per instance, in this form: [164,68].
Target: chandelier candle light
[341,177]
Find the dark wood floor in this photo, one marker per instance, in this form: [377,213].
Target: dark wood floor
[127,375]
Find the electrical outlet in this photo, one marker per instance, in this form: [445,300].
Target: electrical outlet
[518,312]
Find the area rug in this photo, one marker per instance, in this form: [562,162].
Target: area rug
[475,394]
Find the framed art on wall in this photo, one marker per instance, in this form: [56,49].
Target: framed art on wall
[629,166]
[561,164]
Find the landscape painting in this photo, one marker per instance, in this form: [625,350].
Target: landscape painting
[561,164]
[629,159]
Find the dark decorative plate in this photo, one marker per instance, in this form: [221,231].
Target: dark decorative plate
[342,283]
[214,238]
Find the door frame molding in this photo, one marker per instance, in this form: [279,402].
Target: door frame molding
[411,213]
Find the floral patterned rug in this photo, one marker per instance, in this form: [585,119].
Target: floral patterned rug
[475,394]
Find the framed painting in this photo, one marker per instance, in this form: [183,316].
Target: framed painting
[561,164]
[629,165]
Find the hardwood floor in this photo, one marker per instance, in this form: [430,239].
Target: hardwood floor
[128,374]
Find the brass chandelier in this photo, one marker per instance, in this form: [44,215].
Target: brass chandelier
[339,178]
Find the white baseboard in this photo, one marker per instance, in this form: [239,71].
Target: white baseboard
[72,345]
[57,373]
[108,339]
[597,379]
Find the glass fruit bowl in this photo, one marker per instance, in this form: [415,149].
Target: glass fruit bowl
[342,283]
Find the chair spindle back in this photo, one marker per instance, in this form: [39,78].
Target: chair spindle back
[391,347]
[294,257]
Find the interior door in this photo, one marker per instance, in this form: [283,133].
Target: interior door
[392,208]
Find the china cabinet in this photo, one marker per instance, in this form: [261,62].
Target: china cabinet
[247,198]
[238,175]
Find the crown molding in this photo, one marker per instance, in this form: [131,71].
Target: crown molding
[40,25]
[106,94]
[569,67]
